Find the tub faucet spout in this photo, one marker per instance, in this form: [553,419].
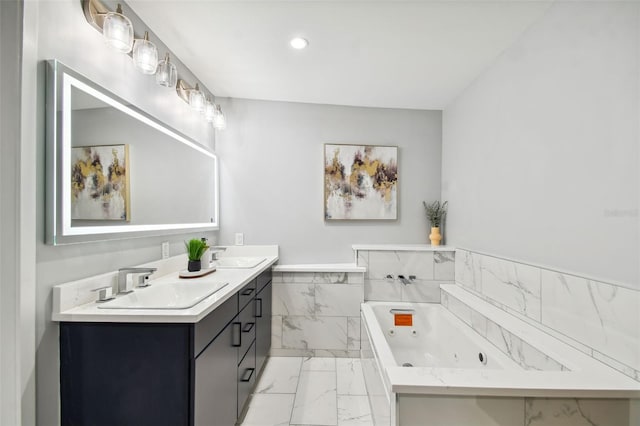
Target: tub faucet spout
[405,280]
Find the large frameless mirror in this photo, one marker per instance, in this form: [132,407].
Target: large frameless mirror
[114,171]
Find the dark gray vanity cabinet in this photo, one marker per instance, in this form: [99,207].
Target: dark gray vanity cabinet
[164,374]
[263,321]
[215,395]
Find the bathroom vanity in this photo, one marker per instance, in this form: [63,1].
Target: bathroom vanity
[194,366]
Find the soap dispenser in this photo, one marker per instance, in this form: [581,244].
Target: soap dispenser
[205,260]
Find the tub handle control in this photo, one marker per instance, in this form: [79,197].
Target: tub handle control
[394,311]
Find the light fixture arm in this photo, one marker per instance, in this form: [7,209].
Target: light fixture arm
[95,12]
[183,89]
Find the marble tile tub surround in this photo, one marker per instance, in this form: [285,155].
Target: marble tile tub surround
[601,319]
[431,266]
[316,310]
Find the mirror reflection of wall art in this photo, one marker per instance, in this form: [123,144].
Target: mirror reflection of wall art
[100,182]
[360,182]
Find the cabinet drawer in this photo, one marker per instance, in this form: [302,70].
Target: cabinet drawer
[263,279]
[246,294]
[211,325]
[246,377]
[247,321]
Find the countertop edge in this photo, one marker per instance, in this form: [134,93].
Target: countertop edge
[90,313]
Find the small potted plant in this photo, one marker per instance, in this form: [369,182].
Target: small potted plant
[436,212]
[195,250]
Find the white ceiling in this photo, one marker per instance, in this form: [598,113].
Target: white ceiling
[397,54]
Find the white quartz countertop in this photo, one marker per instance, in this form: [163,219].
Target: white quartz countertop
[401,247]
[89,312]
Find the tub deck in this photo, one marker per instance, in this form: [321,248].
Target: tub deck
[580,376]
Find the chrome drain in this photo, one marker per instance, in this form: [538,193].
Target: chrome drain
[407,364]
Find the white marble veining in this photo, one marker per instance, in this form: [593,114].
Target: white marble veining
[269,409]
[316,311]
[338,299]
[353,332]
[600,319]
[287,377]
[319,364]
[293,299]
[280,375]
[75,302]
[513,284]
[354,411]
[323,267]
[605,317]
[314,333]
[316,399]
[444,265]
[350,378]
[467,269]
[586,378]
[276,331]
[574,412]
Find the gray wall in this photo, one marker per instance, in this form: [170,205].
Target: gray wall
[540,153]
[64,34]
[271,175]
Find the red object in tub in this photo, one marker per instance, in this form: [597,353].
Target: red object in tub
[403,320]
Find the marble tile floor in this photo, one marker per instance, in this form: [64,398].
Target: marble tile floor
[296,391]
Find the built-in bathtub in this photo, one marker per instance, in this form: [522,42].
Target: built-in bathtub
[467,363]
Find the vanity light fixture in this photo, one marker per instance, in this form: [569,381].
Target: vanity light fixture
[145,55]
[209,111]
[166,74]
[219,120]
[299,43]
[117,31]
[116,28]
[196,99]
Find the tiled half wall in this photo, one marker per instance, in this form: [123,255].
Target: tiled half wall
[429,267]
[317,313]
[600,319]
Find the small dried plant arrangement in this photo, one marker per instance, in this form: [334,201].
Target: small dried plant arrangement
[436,212]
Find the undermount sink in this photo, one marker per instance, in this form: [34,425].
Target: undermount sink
[239,262]
[175,295]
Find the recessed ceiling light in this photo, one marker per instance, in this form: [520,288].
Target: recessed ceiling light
[299,43]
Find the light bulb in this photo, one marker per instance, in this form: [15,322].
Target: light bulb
[117,31]
[219,121]
[209,111]
[166,74]
[145,55]
[196,99]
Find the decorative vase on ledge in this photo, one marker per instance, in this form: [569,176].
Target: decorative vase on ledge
[194,265]
[435,236]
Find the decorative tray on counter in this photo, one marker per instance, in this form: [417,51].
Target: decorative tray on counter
[195,274]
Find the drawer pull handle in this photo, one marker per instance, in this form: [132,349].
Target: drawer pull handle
[245,377]
[247,292]
[258,308]
[248,327]
[238,334]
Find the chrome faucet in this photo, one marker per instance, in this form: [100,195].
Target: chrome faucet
[126,286]
[215,250]
[406,281]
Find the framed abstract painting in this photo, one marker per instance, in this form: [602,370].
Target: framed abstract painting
[360,182]
[100,183]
